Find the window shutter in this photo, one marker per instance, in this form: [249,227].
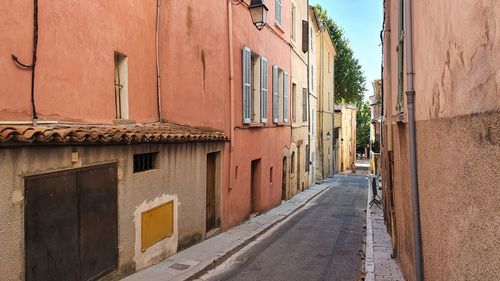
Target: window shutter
[278,11]
[304,104]
[264,77]
[285,97]
[305,36]
[247,74]
[275,95]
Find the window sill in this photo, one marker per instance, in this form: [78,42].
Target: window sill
[279,26]
[123,121]
[255,125]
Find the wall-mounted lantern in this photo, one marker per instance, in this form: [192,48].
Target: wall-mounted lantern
[328,136]
[258,10]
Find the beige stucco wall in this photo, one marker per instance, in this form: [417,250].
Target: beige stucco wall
[325,55]
[180,176]
[457,68]
[300,128]
[347,139]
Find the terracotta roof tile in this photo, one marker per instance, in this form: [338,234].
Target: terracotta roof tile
[124,134]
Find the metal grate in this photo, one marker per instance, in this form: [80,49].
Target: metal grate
[144,162]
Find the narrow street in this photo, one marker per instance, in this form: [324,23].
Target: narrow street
[321,242]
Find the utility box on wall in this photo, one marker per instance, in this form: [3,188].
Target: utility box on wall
[157,224]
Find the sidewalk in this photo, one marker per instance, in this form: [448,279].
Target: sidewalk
[195,261]
[379,266]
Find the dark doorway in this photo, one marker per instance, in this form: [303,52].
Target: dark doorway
[255,185]
[283,180]
[71,224]
[211,192]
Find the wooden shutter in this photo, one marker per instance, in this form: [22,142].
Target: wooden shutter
[285,97]
[304,104]
[247,88]
[275,95]
[305,36]
[264,77]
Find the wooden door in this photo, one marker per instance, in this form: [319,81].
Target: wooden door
[71,224]
[211,222]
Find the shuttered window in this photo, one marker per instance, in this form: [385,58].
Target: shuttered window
[275,95]
[278,7]
[247,88]
[264,77]
[400,49]
[285,97]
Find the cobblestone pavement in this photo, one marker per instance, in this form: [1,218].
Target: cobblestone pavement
[379,265]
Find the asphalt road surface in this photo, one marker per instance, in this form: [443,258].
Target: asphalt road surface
[324,241]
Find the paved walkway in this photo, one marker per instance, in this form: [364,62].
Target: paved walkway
[194,261]
[379,266]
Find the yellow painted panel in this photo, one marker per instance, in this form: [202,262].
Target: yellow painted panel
[157,224]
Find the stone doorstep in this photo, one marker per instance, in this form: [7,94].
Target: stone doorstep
[206,255]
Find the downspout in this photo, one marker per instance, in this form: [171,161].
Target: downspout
[33,64]
[157,39]
[410,93]
[309,94]
[322,91]
[231,98]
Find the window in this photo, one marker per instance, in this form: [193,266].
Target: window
[255,87]
[271,175]
[312,121]
[277,12]
[144,162]
[294,22]
[294,102]
[121,86]
[304,104]
[312,77]
[311,39]
[329,68]
[280,95]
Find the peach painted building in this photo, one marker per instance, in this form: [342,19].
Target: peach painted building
[101,130]
[456,67]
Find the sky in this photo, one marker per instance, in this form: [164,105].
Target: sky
[362,22]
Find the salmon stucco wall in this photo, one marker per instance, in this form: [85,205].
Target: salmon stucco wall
[74,78]
[269,140]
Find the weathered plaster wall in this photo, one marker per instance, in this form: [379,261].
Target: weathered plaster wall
[457,51]
[180,175]
[75,68]
[457,65]
[460,196]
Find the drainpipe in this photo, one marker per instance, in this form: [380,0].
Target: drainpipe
[308,96]
[231,101]
[410,93]
[157,41]
[33,64]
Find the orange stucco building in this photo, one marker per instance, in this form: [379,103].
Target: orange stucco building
[174,110]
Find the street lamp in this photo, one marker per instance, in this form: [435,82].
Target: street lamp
[258,10]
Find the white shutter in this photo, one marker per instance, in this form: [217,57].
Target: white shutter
[277,13]
[264,77]
[276,84]
[285,97]
[247,88]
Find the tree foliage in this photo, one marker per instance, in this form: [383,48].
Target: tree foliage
[350,83]
[363,121]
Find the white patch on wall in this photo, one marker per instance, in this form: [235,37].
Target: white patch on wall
[163,249]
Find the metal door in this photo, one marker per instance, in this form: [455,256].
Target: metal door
[71,224]
[98,221]
[51,227]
